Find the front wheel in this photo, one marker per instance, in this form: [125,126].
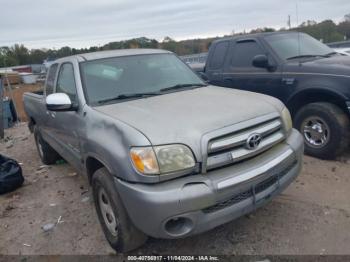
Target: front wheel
[325,128]
[119,230]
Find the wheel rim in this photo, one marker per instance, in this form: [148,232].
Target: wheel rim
[316,132]
[107,212]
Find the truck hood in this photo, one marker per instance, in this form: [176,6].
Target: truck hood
[335,65]
[185,116]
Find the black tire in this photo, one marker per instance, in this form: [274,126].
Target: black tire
[47,154]
[125,236]
[334,121]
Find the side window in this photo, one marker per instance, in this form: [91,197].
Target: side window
[244,53]
[66,82]
[218,56]
[50,82]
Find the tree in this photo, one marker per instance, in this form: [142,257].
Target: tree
[262,30]
[169,44]
[347,17]
[326,30]
[64,51]
[37,56]
[344,29]
[308,23]
[19,53]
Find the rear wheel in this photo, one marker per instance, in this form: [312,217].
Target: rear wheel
[325,128]
[119,230]
[47,154]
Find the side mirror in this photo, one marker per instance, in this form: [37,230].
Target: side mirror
[59,102]
[203,76]
[261,61]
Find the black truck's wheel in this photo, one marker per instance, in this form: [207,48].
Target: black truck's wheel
[325,128]
[47,154]
[119,230]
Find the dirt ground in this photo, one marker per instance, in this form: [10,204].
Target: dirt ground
[311,217]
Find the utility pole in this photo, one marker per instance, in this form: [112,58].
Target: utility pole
[289,23]
[1,111]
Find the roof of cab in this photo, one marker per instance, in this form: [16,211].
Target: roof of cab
[255,35]
[115,53]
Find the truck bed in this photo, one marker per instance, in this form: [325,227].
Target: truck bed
[37,94]
[34,106]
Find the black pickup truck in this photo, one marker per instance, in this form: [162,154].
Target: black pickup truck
[309,77]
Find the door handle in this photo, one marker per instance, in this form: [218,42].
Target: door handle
[53,114]
[228,78]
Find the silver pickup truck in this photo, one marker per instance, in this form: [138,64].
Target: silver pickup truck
[167,155]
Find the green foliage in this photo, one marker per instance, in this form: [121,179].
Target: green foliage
[344,28]
[262,30]
[37,56]
[327,31]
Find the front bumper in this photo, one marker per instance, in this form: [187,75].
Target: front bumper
[194,204]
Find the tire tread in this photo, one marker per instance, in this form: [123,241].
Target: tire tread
[129,237]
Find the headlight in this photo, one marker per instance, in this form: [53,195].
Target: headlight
[174,158]
[287,119]
[162,159]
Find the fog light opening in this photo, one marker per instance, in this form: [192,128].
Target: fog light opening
[178,226]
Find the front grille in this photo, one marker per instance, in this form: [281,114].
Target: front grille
[231,148]
[256,189]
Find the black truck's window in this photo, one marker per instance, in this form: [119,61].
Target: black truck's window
[66,82]
[244,53]
[218,56]
[51,79]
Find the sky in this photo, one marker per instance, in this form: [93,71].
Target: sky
[57,23]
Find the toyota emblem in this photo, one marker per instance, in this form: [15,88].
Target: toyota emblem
[253,141]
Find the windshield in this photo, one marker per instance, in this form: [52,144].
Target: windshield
[287,45]
[127,77]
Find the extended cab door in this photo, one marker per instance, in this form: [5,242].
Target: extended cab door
[68,125]
[216,59]
[47,125]
[240,73]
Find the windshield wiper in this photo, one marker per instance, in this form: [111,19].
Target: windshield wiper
[306,56]
[180,86]
[330,54]
[302,56]
[128,96]
[141,95]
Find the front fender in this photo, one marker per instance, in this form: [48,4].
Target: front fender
[109,141]
[311,94]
